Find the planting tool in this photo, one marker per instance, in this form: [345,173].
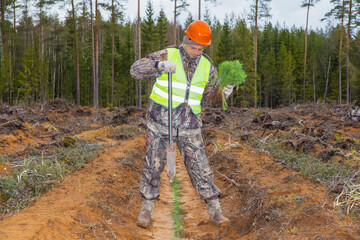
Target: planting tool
[171,168]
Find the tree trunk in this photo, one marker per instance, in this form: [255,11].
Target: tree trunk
[340,49]
[271,91]
[93,55]
[14,38]
[76,57]
[97,51]
[327,78]
[112,52]
[53,80]
[3,61]
[199,9]
[243,96]
[3,40]
[174,36]
[139,52]
[40,52]
[305,52]
[25,16]
[255,52]
[348,55]
[314,87]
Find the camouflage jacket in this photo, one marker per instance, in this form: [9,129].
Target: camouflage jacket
[183,117]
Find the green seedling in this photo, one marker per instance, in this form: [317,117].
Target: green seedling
[177,208]
[106,209]
[299,200]
[230,73]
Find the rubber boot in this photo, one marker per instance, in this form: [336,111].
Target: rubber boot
[215,213]
[144,217]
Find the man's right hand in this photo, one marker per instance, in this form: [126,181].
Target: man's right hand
[167,66]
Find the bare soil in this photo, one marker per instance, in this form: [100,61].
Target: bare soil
[262,197]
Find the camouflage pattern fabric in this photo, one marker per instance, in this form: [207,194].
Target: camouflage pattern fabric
[182,116]
[186,127]
[192,150]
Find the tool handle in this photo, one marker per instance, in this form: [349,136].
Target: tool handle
[170,110]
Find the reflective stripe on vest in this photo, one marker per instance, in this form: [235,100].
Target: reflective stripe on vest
[199,80]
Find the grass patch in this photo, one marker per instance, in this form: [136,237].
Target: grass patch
[37,170]
[125,132]
[311,167]
[331,174]
[176,212]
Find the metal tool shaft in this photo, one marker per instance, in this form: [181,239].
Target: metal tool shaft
[170,110]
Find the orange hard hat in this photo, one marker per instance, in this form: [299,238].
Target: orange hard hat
[200,32]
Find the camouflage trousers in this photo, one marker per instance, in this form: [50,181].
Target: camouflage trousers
[191,147]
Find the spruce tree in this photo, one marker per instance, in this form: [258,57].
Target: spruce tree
[225,46]
[127,85]
[162,27]
[188,20]
[148,31]
[280,74]
[243,51]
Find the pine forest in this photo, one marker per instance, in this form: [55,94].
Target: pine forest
[86,57]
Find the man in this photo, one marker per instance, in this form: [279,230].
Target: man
[194,79]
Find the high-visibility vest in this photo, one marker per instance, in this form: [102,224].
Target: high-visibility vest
[198,82]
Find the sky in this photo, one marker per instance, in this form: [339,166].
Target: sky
[285,12]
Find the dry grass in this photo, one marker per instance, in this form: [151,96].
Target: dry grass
[349,198]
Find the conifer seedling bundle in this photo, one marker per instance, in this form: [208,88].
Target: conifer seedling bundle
[230,73]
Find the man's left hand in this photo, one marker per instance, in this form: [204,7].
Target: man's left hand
[228,90]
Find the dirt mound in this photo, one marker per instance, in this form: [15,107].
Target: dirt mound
[267,201]
[58,105]
[253,153]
